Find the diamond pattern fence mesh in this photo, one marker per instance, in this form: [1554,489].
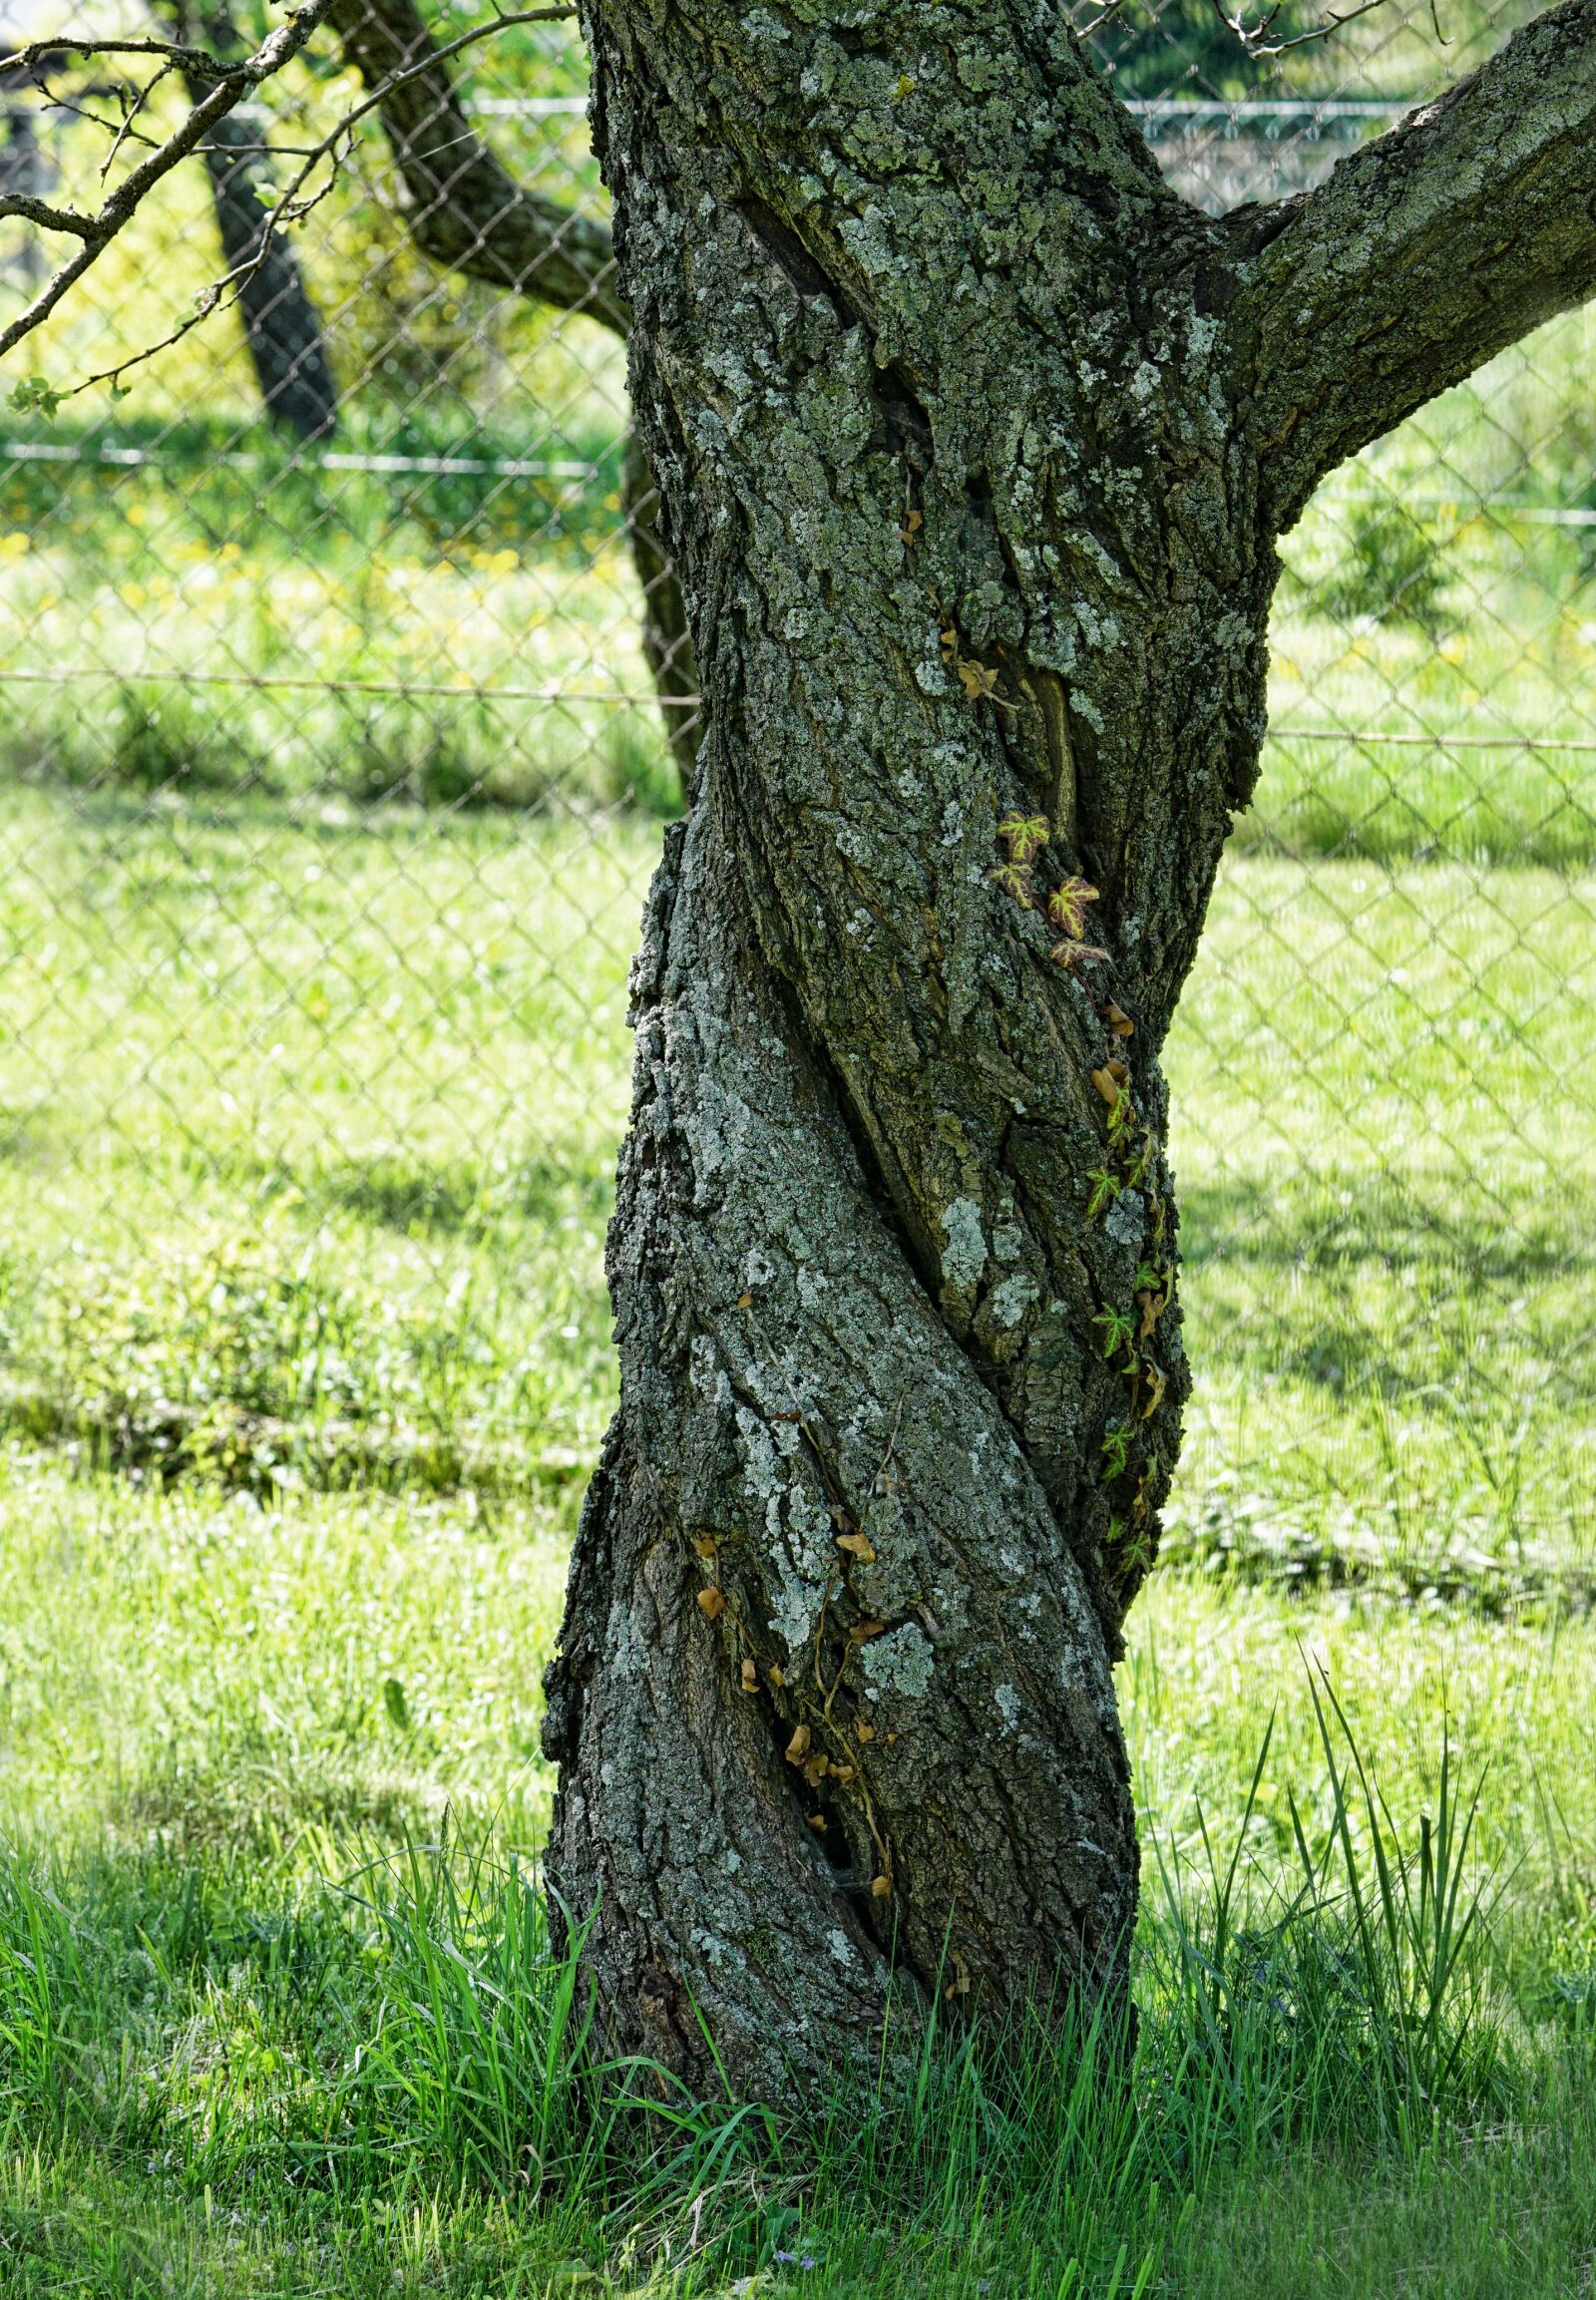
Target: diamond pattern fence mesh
[334,770]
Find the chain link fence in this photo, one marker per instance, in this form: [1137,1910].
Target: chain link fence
[334,772]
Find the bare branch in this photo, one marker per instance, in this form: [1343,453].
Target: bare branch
[142,97]
[39,55]
[229,80]
[48,218]
[1423,254]
[233,83]
[464,210]
[1258,40]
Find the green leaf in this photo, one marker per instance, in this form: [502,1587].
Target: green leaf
[35,397]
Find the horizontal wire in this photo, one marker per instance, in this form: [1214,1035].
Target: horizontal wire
[1432,742]
[181,678]
[535,467]
[500,466]
[177,679]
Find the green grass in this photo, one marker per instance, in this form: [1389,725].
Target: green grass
[308,1134]
[308,1131]
[277,2014]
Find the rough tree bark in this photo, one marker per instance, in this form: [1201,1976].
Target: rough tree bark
[974,442]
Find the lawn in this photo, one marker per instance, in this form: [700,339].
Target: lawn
[309,1118]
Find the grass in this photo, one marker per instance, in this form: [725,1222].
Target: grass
[310,1128]
[308,1132]
[277,2014]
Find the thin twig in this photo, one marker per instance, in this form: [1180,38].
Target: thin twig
[236,81]
[233,81]
[1255,38]
[142,97]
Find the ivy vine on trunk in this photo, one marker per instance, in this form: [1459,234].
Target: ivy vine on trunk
[973,443]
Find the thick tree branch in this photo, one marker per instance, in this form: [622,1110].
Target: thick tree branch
[1424,255]
[465,210]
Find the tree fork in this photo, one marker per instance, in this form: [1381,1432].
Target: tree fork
[973,441]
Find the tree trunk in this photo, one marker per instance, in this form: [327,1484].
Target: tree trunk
[466,211]
[282,328]
[953,408]
[282,325]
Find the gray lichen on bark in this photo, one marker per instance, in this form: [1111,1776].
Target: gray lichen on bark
[973,441]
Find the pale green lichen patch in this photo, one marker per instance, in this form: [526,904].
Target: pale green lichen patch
[1013,1299]
[900,1662]
[964,1255]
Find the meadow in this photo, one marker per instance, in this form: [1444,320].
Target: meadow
[314,920]
[309,1126]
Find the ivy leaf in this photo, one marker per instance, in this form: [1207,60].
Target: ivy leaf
[1104,1187]
[976,680]
[711,1604]
[1023,834]
[1014,878]
[1066,906]
[798,1747]
[1066,952]
[858,1545]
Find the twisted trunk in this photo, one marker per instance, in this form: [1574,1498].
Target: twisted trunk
[965,462]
